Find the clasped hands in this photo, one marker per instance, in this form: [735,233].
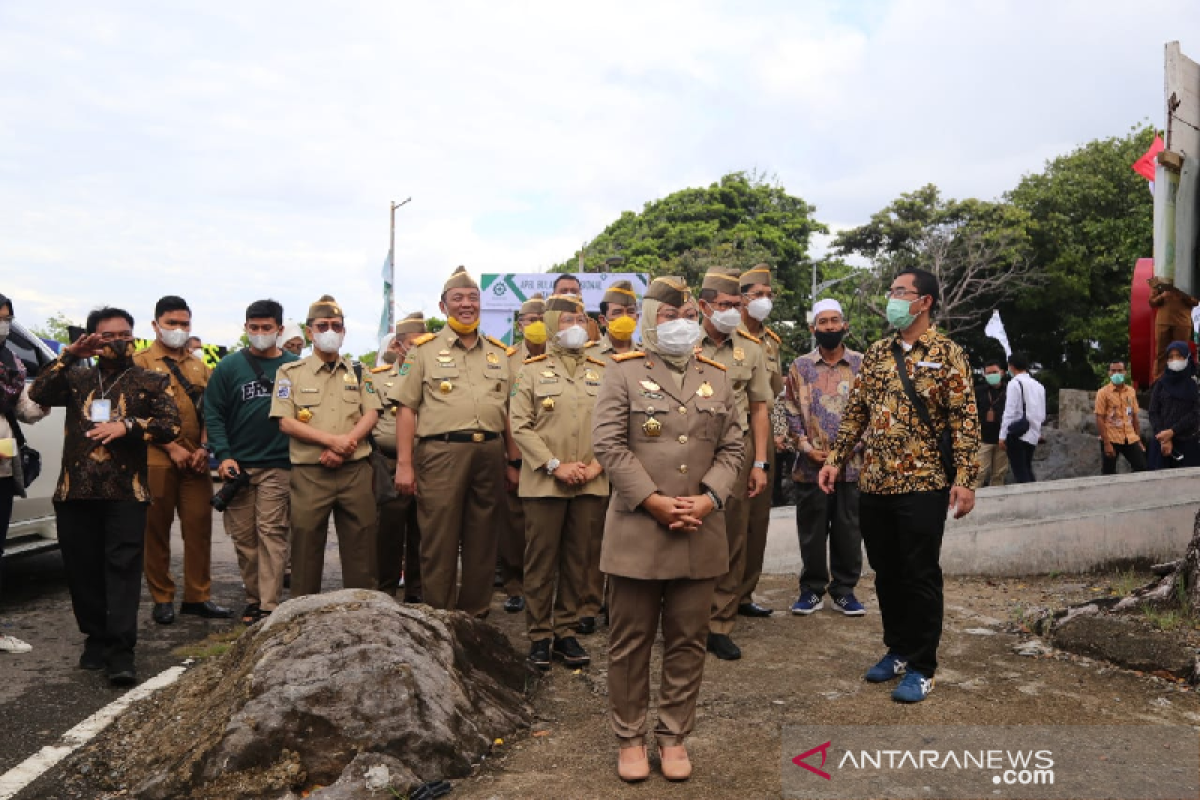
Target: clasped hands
[337,450]
[577,473]
[684,514]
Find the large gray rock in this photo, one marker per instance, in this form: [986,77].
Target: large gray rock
[1126,642]
[348,690]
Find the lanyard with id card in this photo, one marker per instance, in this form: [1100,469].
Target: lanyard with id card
[100,411]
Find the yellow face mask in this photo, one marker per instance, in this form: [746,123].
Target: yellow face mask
[622,328]
[535,332]
[461,329]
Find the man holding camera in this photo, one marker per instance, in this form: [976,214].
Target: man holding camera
[253,456]
[179,477]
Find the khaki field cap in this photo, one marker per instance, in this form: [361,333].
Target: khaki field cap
[413,323]
[723,280]
[621,293]
[534,305]
[325,307]
[759,273]
[669,289]
[460,280]
[564,302]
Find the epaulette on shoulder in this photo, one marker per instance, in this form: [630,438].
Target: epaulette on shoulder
[748,335]
[773,335]
[532,359]
[423,338]
[497,342]
[594,360]
[381,368]
[511,351]
[710,362]
[627,356]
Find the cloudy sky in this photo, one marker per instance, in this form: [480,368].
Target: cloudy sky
[228,151]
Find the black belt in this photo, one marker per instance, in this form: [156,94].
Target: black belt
[462,436]
[390,452]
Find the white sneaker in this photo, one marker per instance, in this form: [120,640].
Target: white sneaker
[11,644]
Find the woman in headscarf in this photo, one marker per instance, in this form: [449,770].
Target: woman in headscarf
[666,434]
[1175,412]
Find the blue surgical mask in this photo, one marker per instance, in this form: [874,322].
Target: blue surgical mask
[1118,378]
[898,313]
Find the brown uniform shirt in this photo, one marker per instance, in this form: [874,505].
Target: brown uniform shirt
[746,367]
[651,436]
[331,393]
[382,379]
[1119,408]
[550,412]
[452,388]
[154,359]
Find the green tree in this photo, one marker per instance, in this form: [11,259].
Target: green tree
[434,324]
[55,329]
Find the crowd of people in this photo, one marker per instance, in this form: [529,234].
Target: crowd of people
[593,477]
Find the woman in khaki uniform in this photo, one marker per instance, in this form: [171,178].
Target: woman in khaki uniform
[563,487]
[667,435]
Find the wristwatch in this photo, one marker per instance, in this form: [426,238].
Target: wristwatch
[552,465]
[763,465]
[515,463]
[716,501]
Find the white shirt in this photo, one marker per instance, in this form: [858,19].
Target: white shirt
[1035,407]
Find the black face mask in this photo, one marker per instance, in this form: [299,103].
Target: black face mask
[829,339]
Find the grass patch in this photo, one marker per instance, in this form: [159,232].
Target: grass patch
[1170,619]
[1125,581]
[212,645]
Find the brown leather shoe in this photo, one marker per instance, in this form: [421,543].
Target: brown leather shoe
[676,766]
[632,763]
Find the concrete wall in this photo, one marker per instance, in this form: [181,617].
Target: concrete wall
[1062,526]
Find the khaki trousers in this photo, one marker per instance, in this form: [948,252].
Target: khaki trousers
[756,536]
[558,532]
[256,519]
[635,608]
[511,547]
[460,487]
[347,492]
[190,494]
[993,465]
[592,598]
[727,594]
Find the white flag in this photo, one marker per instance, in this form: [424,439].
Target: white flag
[387,318]
[995,329]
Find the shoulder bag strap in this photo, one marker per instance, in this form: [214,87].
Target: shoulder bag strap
[922,412]
[259,375]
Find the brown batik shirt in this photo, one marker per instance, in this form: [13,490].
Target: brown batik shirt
[900,455]
[116,471]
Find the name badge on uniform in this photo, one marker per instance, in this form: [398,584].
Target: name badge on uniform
[100,411]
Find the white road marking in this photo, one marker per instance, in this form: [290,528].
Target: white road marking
[36,765]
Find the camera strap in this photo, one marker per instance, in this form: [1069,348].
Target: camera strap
[259,375]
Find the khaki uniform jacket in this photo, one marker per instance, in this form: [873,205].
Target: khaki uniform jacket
[331,398]
[772,344]
[746,366]
[607,351]
[196,372]
[452,388]
[382,379]
[551,417]
[699,443]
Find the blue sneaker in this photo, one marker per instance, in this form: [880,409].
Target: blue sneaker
[914,688]
[807,603]
[889,667]
[848,604]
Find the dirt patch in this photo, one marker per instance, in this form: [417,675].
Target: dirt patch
[808,670]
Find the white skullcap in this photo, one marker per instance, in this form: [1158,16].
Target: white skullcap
[828,304]
[290,331]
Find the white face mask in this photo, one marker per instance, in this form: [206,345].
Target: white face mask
[1177,366]
[726,321]
[5,329]
[329,341]
[573,338]
[760,309]
[174,338]
[678,336]
[262,341]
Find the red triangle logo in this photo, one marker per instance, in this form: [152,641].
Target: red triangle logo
[823,750]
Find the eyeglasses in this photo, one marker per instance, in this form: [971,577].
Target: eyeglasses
[901,291]
[321,327]
[725,305]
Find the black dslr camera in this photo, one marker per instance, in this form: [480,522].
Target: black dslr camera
[220,500]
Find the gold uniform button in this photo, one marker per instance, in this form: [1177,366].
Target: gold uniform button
[683,409]
[683,439]
[683,469]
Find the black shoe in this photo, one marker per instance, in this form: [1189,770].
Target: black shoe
[164,613]
[92,659]
[121,671]
[586,626]
[250,613]
[514,605]
[208,609]
[287,580]
[572,654]
[754,610]
[723,647]
[539,654]
[413,599]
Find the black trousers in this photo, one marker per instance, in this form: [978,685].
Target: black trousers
[1133,453]
[102,544]
[8,490]
[1020,458]
[832,518]
[903,535]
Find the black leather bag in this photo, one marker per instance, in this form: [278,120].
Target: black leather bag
[1019,427]
[30,460]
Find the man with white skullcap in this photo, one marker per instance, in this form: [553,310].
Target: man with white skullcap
[816,390]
